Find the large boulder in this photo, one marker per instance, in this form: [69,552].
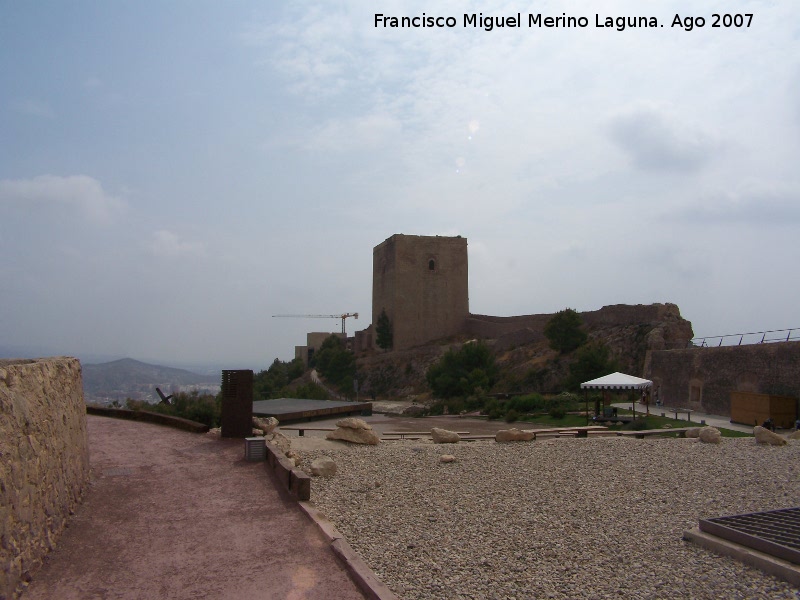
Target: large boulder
[356,431]
[710,435]
[795,435]
[267,425]
[353,423]
[443,436]
[513,435]
[765,436]
[323,467]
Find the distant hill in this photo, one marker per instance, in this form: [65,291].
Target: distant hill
[128,378]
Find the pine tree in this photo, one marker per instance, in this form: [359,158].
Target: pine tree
[383,331]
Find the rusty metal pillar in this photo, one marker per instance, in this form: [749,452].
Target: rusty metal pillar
[237,403]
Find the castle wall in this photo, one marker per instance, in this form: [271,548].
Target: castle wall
[45,460]
[616,315]
[703,378]
[422,284]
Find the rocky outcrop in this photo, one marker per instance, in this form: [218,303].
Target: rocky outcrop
[443,436]
[281,441]
[356,431]
[765,436]
[513,435]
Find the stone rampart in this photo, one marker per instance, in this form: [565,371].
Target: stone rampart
[703,378]
[673,331]
[44,460]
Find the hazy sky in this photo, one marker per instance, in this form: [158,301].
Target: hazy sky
[174,173]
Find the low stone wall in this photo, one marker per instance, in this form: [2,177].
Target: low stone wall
[703,378]
[44,460]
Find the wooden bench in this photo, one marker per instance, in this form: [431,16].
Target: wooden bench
[688,412]
[403,434]
[302,428]
[567,431]
[681,431]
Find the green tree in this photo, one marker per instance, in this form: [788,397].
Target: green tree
[383,331]
[461,372]
[272,382]
[564,331]
[591,361]
[336,363]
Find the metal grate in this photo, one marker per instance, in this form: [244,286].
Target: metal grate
[775,532]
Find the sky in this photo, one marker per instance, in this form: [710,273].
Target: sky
[172,174]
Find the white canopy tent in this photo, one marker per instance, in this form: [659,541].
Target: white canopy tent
[615,381]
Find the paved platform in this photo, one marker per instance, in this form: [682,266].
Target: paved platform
[177,515]
[298,409]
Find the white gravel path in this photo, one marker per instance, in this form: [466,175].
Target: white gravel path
[566,518]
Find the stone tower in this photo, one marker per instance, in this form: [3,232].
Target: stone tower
[421,282]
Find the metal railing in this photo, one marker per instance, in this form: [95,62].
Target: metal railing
[753,337]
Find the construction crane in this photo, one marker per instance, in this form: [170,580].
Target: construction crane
[343,317]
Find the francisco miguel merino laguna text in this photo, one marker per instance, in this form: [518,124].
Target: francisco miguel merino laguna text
[479,20]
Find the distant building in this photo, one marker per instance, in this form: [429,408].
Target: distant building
[313,342]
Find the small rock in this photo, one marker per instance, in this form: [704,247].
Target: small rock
[447,458]
[323,467]
[693,432]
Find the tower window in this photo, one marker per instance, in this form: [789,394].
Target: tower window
[431,265]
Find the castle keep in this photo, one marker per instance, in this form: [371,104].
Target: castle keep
[421,283]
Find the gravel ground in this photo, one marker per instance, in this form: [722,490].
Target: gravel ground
[566,518]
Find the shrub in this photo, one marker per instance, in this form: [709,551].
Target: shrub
[512,416]
[462,372]
[557,412]
[204,409]
[637,425]
[528,403]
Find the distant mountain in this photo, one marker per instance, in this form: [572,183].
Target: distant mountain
[128,378]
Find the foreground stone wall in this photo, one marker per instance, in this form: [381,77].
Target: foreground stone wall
[44,460]
[703,378]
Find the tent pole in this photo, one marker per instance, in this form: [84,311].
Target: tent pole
[586,399]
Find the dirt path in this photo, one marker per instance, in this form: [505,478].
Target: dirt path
[176,515]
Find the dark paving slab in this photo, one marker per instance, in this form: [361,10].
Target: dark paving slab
[177,515]
[294,409]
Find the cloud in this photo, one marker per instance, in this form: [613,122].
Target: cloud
[167,244]
[80,194]
[656,143]
[34,108]
[750,206]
